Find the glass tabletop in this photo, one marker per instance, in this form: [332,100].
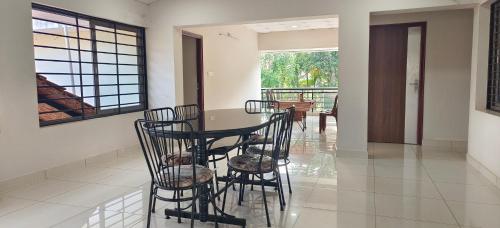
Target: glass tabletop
[227,121]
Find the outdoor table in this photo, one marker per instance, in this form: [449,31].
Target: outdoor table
[301,108]
[216,124]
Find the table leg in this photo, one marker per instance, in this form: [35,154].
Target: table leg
[204,198]
[244,146]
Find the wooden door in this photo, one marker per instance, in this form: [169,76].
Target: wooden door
[387,83]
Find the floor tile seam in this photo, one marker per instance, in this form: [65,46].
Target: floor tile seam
[21,208]
[38,203]
[416,220]
[442,196]
[470,202]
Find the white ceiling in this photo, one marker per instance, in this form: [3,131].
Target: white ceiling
[295,25]
[146,1]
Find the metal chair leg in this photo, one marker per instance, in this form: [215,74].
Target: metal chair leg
[253,178]
[178,207]
[265,200]
[151,197]
[193,211]
[225,191]
[216,177]
[288,179]
[281,191]
[240,196]
[154,200]
[212,199]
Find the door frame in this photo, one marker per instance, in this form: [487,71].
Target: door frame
[423,38]
[199,68]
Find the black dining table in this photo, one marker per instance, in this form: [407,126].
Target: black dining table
[217,124]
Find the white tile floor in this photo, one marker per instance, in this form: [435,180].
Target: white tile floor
[400,186]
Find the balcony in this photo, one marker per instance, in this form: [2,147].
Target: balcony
[324,96]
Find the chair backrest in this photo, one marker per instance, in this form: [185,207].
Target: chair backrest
[335,104]
[275,136]
[162,143]
[159,114]
[187,112]
[261,106]
[289,129]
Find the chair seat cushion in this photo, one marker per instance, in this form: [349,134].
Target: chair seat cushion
[177,158]
[250,163]
[183,177]
[259,139]
[267,151]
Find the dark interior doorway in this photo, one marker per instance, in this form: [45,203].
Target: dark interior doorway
[396,83]
[192,61]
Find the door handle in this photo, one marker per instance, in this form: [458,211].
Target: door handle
[415,84]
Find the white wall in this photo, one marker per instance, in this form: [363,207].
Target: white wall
[484,127]
[165,72]
[447,71]
[24,146]
[231,65]
[300,39]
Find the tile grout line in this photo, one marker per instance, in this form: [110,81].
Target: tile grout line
[442,196]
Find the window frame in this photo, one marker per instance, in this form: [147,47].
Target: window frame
[141,65]
[493,89]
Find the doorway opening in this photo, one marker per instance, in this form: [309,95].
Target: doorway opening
[192,59]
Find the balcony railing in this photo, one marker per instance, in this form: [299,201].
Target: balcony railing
[324,97]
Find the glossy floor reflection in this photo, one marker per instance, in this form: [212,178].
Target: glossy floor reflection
[398,186]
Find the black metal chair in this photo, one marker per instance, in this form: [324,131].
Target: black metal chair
[257,107]
[284,149]
[261,164]
[187,112]
[161,142]
[261,106]
[159,114]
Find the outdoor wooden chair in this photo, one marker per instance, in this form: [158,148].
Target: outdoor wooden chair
[323,115]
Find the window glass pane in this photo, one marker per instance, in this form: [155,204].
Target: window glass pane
[106,58]
[54,28]
[108,90]
[129,89]
[125,69]
[88,91]
[87,68]
[123,49]
[55,67]
[103,80]
[126,59]
[53,17]
[104,36]
[129,98]
[129,79]
[54,41]
[106,47]
[110,100]
[107,68]
[122,39]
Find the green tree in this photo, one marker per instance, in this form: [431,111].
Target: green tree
[299,69]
